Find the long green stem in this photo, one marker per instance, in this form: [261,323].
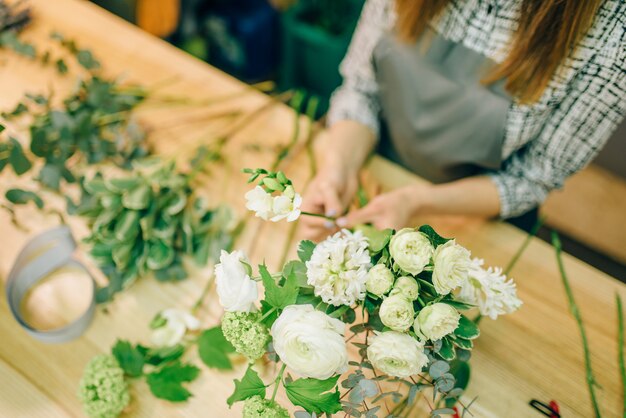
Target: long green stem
[620,349]
[524,245]
[318,215]
[205,292]
[591,381]
[279,378]
[266,314]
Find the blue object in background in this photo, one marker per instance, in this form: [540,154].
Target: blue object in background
[243,38]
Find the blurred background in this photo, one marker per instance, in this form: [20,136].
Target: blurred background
[299,44]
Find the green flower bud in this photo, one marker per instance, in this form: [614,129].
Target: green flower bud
[257,407]
[407,287]
[103,390]
[245,333]
[273,185]
[280,176]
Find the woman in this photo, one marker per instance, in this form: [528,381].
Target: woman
[496,102]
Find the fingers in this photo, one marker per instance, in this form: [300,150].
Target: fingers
[332,204]
[368,214]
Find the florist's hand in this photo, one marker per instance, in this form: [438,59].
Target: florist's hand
[394,209]
[329,193]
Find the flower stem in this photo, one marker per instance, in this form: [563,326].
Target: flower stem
[266,314]
[277,381]
[524,245]
[205,292]
[620,348]
[319,215]
[591,381]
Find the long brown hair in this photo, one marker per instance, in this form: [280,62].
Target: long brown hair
[548,31]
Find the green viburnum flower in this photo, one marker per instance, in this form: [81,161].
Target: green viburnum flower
[257,407]
[103,390]
[244,331]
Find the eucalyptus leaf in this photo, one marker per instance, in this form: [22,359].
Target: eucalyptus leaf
[22,197]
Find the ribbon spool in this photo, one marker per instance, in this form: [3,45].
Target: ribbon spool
[42,256]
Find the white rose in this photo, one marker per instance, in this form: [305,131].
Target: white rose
[310,342]
[260,202]
[236,290]
[172,326]
[397,354]
[379,280]
[411,250]
[407,287]
[397,313]
[436,321]
[284,206]
[451,267]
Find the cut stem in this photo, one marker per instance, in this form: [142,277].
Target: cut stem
[205,292]
[620,349]
[591,381]
[524,245]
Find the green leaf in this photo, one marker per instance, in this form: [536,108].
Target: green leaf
[61,66]
[167,382]
[159,355]
[462,373]
[249,386]
[297,268]
[467,329]
[138,198]
[129,358]
[315,395]
[214,349]
[463,343]
[305,250]
[160,255]
[50,176]
[278,296]
[18,160]
[433,236]
[22,197]
[2,128]
[377,240]
[86,59]
[447,351]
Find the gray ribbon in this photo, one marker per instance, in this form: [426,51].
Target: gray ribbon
[41,256]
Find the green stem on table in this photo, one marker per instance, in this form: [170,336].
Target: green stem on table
[620,349]
[318,215]
[591,381]
[524,245]
[279,378]
[205,292]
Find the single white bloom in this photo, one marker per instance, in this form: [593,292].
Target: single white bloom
[338,268]
[310,342]
[397,313]
[379,280]
[436,321]
[236,290]
[172,331]
[411,250]
[490,290]
[451,267]
[407,287]
[397,354]
[260,202]
[284,206]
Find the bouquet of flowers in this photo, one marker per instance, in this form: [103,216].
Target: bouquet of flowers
[404,292]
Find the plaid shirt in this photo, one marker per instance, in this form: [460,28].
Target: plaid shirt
[546,141]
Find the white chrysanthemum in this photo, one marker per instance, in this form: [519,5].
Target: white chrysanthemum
[338,268]
[490,290]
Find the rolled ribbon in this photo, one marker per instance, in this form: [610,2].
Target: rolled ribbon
[41,256]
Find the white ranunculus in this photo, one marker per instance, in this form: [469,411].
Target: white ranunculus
[236,290]
[260,202]
[284,206]
[407,287]
[490,290]
[338,268]
[379,280]
[310,342]
[174,324]
[411,250]
[396,354]
[397,313]
[451,267]
[436,321]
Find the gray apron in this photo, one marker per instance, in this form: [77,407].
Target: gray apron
[439,120]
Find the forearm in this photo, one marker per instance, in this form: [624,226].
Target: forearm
[470,196]
[345,144]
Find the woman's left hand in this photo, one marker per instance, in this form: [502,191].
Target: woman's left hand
[394,209]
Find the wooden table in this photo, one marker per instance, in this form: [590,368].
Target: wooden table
[535,353]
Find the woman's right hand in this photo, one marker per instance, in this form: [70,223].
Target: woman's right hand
[329,193]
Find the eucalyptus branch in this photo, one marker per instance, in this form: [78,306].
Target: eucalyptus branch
[591,381]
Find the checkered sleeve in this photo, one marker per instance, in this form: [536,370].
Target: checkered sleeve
[357,98]
[576,130]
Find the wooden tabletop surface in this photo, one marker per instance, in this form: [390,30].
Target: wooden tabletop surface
[535,353]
